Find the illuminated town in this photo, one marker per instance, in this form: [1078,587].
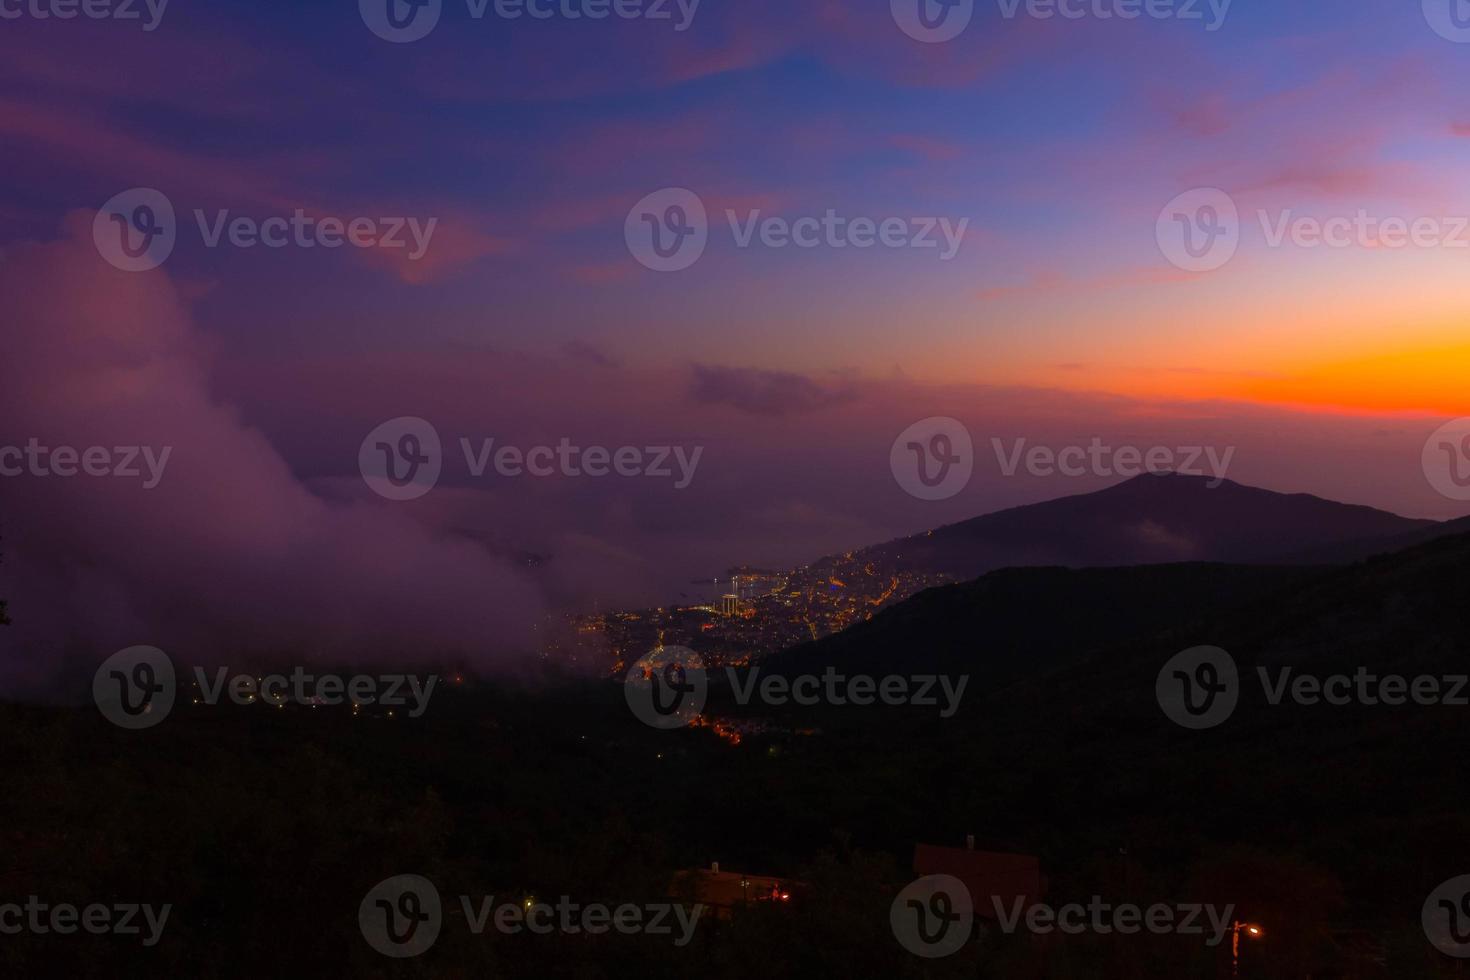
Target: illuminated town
[760,613]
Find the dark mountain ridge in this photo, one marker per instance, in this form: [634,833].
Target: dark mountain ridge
[1154,518]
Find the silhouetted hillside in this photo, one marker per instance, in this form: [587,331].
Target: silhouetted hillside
[1148,519]
[1343,552]
[1397,608]
[1331,822]
[1017,620]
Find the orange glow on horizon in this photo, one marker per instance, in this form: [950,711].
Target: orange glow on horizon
[1430,380]
[1423,380]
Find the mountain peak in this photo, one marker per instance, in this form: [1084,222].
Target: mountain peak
[1170,481]
[1147,519]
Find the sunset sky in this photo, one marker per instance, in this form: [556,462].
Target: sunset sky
[1058,142]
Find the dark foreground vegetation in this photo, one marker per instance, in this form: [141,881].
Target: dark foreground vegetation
[1329,825]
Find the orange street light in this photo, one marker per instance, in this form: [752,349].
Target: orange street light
[1236,928]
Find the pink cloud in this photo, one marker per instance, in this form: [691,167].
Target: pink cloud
[229,556]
